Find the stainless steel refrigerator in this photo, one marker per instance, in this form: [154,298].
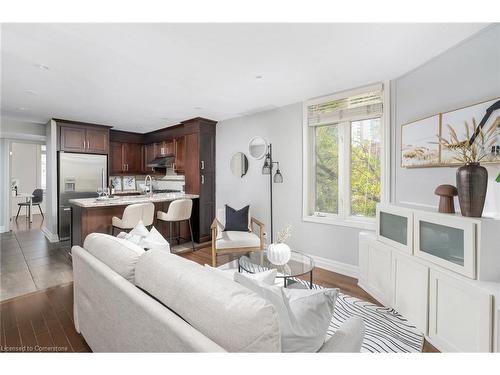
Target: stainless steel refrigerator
[80,176]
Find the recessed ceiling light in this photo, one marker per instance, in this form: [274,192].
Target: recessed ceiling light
[21,108]
[258,77]
[42,67]
[164,118]
[31,92]
[198,107]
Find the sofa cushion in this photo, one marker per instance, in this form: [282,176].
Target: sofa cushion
[118,254]
[304,314]
[237,239]
[230,315]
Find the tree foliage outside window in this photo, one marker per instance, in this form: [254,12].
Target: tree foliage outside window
[365,168]
[327,169]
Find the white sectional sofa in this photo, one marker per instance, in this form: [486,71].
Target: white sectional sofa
[128,300]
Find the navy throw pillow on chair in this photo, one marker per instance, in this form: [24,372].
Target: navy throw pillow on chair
[237,220]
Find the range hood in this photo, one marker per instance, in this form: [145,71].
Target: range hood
[162,161]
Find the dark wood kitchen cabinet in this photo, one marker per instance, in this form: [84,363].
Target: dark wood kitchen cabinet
[84,138]
[126,158]
[199,168]
[149,156]
[180,153]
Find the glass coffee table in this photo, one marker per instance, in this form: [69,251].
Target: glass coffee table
[298,265]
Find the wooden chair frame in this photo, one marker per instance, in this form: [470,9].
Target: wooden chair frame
[216,223]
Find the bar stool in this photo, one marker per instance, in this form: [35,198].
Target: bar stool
[178,210]
[132,215]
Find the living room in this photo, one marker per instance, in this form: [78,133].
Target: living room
[204,194]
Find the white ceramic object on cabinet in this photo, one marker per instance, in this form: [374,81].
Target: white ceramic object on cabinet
[460,314]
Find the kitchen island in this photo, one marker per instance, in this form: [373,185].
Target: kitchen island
[90,215]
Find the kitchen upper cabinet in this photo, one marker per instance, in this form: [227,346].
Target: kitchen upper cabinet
[116,159]
[133,157]
[149,155]
[126,158]
[73,139]
[97,141]
[180,153]
[164,148]
[81,138]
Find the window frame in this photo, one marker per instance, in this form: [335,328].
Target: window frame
[344,217]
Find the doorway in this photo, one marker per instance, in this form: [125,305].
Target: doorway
[27,173]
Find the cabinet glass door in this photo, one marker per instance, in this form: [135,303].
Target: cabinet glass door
[442,241]
[394,227]
[447,240]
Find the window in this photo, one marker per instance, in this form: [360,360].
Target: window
[43,167]
[343,157]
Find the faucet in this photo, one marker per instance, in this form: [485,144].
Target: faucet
[150,193]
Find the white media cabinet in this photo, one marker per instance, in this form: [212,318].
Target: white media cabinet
[453,299]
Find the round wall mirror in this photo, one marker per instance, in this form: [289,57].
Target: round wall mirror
[257,147]
[239,164]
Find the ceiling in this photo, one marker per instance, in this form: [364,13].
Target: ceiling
[141,77]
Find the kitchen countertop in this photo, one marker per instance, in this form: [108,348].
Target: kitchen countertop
[123,201]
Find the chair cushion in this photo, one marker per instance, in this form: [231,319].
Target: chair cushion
[231,239]
[237,220]
[304,314]
[118,254]
[229,314]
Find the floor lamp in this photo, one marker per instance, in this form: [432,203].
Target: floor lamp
[267,168]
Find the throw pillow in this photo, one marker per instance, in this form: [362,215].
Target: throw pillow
[304,314]
[154,240]
[139,230]
[236,220]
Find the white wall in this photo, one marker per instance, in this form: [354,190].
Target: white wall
[25,166]
[49,227]
[468,73]
[283,128]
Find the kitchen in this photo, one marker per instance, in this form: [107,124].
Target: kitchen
[94,158]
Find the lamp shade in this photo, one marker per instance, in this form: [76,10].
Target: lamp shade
[266,168]
[278,177]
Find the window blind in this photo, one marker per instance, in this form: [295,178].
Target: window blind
[349,108]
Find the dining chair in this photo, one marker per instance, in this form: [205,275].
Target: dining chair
[36,200]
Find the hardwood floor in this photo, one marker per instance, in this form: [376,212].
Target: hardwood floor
[43,321]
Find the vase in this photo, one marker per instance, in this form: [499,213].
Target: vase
[279,253]
[472,183]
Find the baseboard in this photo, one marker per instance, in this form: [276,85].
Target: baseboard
[49,235]
[334,266]
[3,229]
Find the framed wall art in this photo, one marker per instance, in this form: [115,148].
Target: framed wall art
[419,143]
[457,119]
